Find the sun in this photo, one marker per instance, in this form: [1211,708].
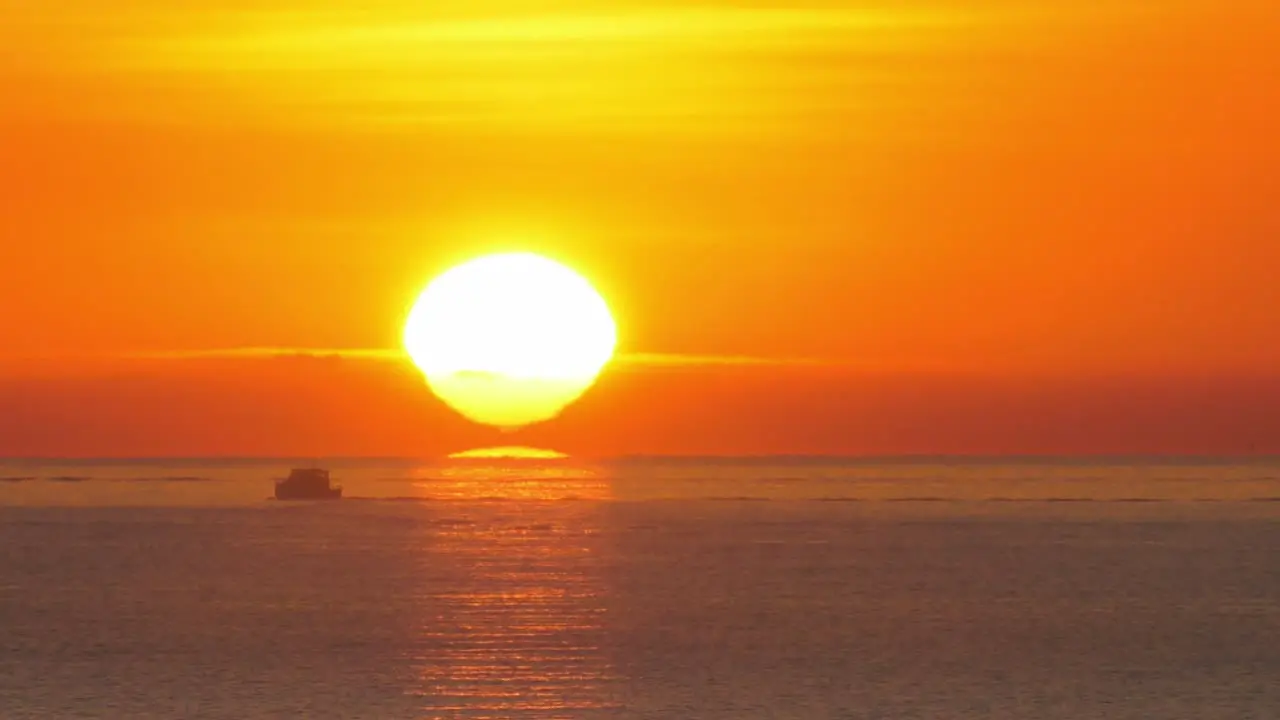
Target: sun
[511,339]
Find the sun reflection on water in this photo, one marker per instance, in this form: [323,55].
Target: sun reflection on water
[478,475]
[513,613]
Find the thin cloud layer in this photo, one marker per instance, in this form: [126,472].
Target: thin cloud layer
[393,355]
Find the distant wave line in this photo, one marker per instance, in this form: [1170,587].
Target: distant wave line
[92,478]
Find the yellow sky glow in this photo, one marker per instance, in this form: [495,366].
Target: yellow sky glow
[653,68]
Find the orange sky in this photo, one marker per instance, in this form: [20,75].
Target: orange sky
[999,226]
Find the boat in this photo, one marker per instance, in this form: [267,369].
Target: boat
[307,484]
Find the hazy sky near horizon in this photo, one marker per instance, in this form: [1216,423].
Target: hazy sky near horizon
[1040,215]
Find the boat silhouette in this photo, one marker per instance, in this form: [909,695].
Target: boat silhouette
[307,484]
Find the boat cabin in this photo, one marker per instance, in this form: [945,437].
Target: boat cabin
[307,483]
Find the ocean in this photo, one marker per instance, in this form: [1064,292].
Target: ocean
[926,588]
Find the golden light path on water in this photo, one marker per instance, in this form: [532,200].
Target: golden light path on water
[513,473]
[517,630]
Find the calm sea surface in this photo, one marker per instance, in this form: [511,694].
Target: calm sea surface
[642,589]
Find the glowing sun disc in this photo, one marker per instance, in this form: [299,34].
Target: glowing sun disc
[511,339]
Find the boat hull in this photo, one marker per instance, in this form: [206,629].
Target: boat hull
[292,494]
